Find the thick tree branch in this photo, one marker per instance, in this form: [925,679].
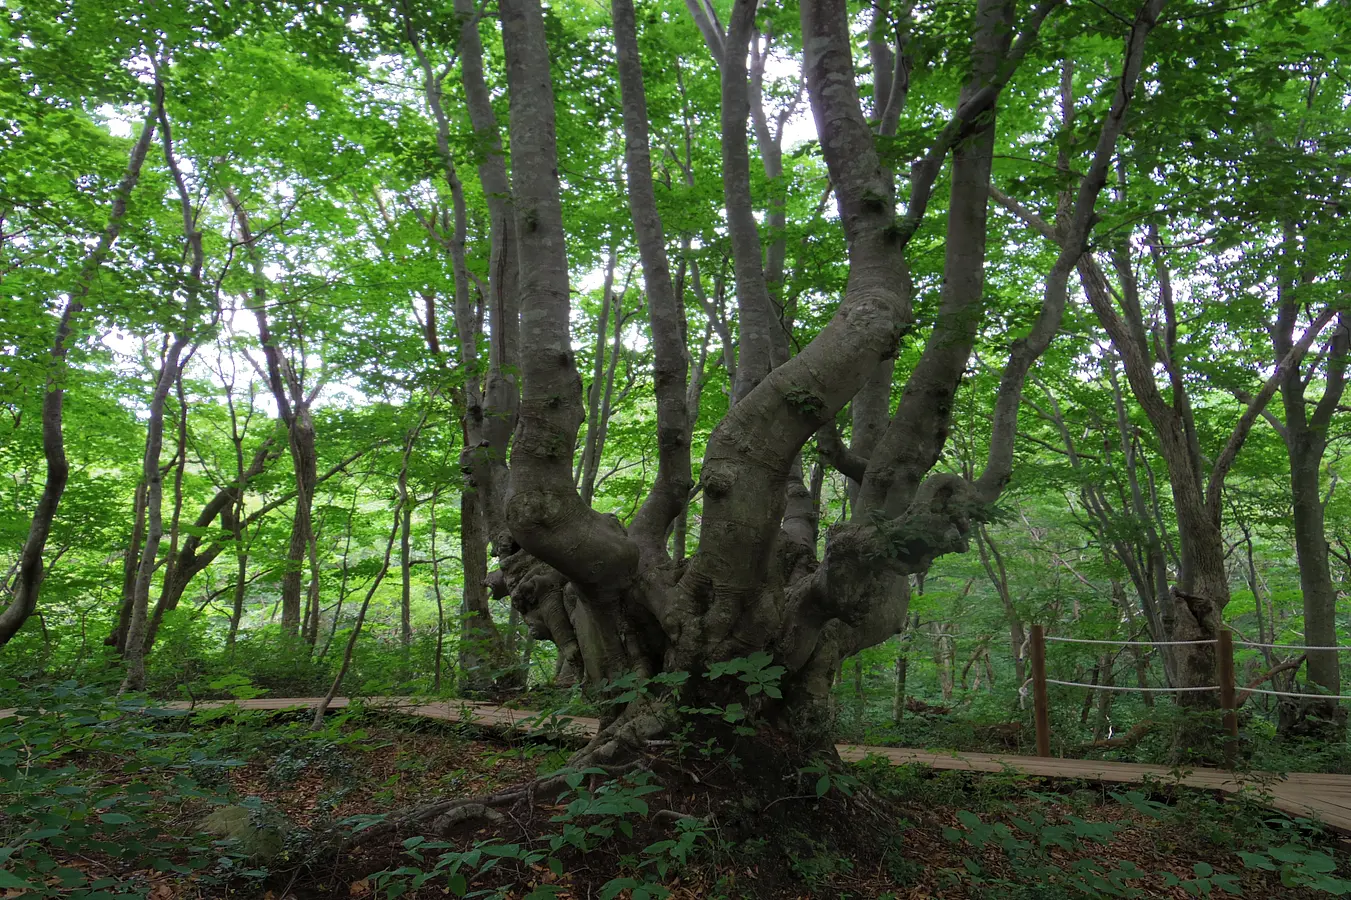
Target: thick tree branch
[844,460]
[756,311]
[546,515]
[670,370]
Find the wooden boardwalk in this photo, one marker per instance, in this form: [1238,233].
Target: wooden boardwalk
[1326,798]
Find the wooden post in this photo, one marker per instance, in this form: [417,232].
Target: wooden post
[1224,665]
[1040,708]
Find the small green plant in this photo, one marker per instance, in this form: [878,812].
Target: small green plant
[1298,865]
[819,867]
[661,855]
[827,779]
[755,670]
[1205,881]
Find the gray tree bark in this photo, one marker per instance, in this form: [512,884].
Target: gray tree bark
[670,370]
[584,582]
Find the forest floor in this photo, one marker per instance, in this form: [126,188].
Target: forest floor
[696,823]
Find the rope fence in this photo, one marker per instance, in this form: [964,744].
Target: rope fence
[1224,669]
[1070,640]
[1254,690]
[1284,646]
[1143,690]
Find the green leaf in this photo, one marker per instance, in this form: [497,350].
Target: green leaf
[10,880]
[1257,861]
[968,818]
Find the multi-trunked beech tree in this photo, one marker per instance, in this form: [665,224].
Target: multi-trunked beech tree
[612,597]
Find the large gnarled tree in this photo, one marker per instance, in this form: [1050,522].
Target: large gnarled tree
[610,597]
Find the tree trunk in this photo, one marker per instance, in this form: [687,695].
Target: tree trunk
[405,567]
[1315,577]
[293,408]
[437,662]
[240,586]
[1305,433]
[138,629]
[610,604]
[172,590]
[999,577]
[304,458]
[670,369]
[131,562]
[602,384]
[170,371]
[31,567]
[902,666]
[497,415]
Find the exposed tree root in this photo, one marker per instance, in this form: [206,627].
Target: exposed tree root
[443,824]
[446,813]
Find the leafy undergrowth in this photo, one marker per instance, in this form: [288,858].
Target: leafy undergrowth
[102,798]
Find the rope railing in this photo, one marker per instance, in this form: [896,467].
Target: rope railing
[1128,689]
[1069,640]
[1224,658]
[1285,646]
[1254,690]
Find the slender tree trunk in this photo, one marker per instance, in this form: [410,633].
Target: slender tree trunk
[304,458]
[131,562]
[600,375]
[478,637]
[31,568]
[1305,433]
[993,562]
[322,708]
[310,626]
[240,586]
[405,567]
[174,583]
[591,464]
[137,630]
[440,606]
[346,663]
[293,408]
[502,391]
[346,572]
[170,371]
[898,696]
[1315,576]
